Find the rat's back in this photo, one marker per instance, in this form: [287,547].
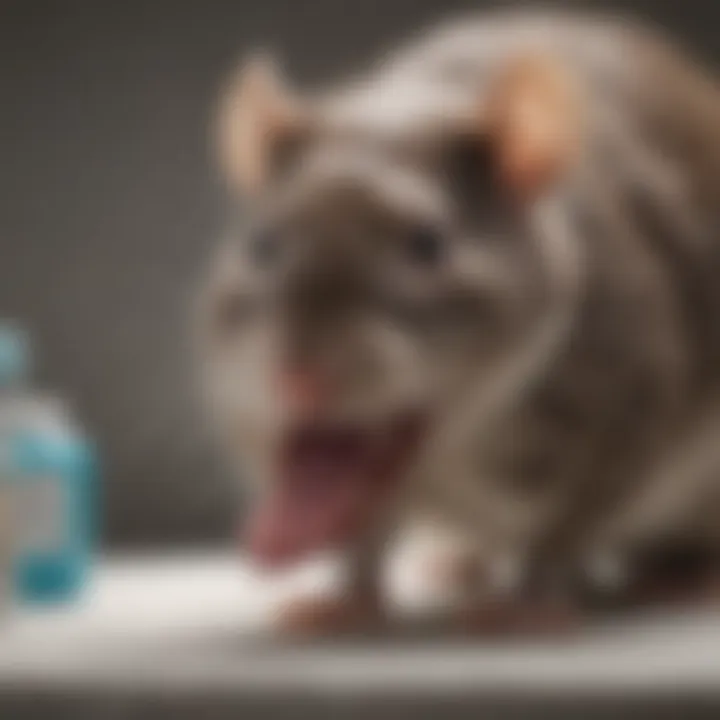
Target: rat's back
[650,176]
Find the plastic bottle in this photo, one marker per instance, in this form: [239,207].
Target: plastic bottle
[49,467]
[13,364]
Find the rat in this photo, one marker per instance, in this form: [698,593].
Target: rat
[476,283]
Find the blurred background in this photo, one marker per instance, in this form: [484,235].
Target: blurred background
[109,208]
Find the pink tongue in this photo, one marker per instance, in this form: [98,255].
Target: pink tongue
[301,517]
[328,484]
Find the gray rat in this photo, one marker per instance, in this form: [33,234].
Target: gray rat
[475,284]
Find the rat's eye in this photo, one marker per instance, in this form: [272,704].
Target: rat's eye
[425,246]
[264,248]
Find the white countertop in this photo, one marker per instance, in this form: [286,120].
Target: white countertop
[189,622]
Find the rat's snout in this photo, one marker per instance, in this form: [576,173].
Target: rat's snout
[326,368]
[303,391]
[319,305]
[323,290]
[314,370]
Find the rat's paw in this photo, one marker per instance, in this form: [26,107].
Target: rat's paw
[320,616]
[454,571]
[527,619]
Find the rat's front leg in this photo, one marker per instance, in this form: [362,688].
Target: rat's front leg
[355,608]
[519,603]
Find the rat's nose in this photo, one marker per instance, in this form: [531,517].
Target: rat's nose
[304,391]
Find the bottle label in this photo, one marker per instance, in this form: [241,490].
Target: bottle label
[38,514]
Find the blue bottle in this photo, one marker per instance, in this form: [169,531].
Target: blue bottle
[49,467]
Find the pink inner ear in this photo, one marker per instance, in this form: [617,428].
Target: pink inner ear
[534,117]
[257,113]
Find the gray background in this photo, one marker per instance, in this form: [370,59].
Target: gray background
[108,208]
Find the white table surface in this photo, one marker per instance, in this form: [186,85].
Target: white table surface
[190,622]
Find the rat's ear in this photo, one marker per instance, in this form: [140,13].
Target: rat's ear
[532,117]
[257,119]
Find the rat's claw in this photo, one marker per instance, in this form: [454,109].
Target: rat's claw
[318,616]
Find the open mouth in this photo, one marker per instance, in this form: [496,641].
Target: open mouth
[331,481]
